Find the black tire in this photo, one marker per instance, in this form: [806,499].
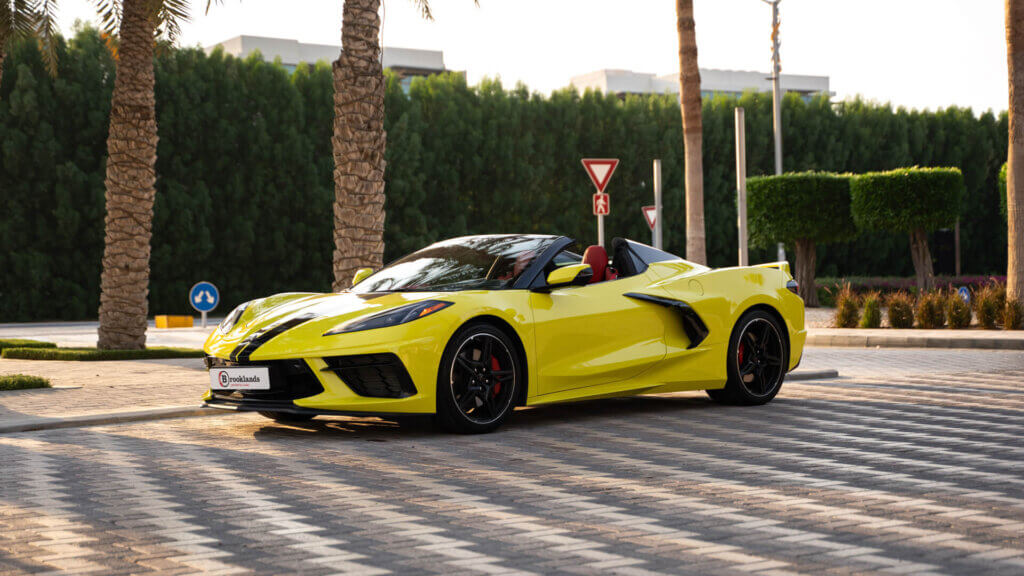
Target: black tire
[287,416]
[757,361]
[476,394]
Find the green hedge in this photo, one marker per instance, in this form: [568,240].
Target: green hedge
[23,343]
[809,205]
[244,185]
[22,382]
[92,354]
[907,198]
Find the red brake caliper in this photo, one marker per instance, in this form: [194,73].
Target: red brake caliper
[743,347]
[495,367]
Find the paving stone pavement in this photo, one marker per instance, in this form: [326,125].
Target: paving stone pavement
[102,387]
[912,463]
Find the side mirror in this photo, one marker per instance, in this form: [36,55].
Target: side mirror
[361,274]
[572,275]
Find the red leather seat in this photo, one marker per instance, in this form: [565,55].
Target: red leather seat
[596,257]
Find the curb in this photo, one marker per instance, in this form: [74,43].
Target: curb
[32,424]
[912,341]
[811,375]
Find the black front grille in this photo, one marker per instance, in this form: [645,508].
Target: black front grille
[289,380]
[373,375]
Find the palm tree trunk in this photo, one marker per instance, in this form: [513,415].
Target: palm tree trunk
[359,141]
[689,97]
[922,258]
[1015,162]
[131,175]
[806,262]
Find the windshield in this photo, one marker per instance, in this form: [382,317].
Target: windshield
[468,263]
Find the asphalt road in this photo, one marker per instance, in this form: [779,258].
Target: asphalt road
[912,463]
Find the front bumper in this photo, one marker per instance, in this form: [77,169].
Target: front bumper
[349,384]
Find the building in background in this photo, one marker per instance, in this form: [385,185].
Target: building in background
[729,82]
[405,62]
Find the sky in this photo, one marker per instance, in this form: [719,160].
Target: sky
[914,53]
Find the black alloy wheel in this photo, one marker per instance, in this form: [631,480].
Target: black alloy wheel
[757,361]
[478,380]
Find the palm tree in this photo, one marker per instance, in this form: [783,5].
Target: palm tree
[359,141]
[28,19]
[1015,162]
[689,97]
[131,166]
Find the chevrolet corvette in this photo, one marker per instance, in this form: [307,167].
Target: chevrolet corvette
[470,328]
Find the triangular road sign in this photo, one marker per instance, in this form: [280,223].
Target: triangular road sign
[651,215]
[600,171]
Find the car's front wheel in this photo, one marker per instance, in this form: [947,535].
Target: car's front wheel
[757,361]
[478,380]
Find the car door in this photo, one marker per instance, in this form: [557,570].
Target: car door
[593,334]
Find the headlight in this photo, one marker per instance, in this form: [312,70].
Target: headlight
[393,317]
[231,319]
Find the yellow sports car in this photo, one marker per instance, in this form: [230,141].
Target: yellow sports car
[470,328]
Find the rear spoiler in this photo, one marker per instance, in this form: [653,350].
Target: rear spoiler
[781,265]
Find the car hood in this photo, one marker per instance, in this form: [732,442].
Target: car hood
[310,313]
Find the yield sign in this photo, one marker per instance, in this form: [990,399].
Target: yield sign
[651,215]
[600,171]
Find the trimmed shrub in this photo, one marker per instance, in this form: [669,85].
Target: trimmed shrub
[957,311]
[901,310]
[872,317]
[22,382]
[847,313]
[1013,315]
[911,200]
[989,302]
[803,209]
[931,310]
[91,354]
[23,343]
[885,285]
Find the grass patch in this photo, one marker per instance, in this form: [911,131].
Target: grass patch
[94,354]
[22,382]
[23,343]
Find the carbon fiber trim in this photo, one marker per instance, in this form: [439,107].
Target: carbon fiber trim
[696,330]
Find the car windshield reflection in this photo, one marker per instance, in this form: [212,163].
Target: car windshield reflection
[468,263]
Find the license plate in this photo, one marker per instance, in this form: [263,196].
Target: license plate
[249,378]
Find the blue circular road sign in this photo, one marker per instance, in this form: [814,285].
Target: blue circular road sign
[203,296]
[965,294]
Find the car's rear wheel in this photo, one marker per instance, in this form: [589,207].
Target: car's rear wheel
[757,361]
[478,380]
[287,416]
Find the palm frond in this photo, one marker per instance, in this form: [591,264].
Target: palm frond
[21,19]
[424,7]
[46,31]
[170,15]
[110,16]
[211,3]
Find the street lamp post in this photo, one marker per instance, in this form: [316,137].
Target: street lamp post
[777,99]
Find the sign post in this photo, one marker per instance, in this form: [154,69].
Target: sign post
[741,184]
[204,297]
[600,171]
[657,226]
